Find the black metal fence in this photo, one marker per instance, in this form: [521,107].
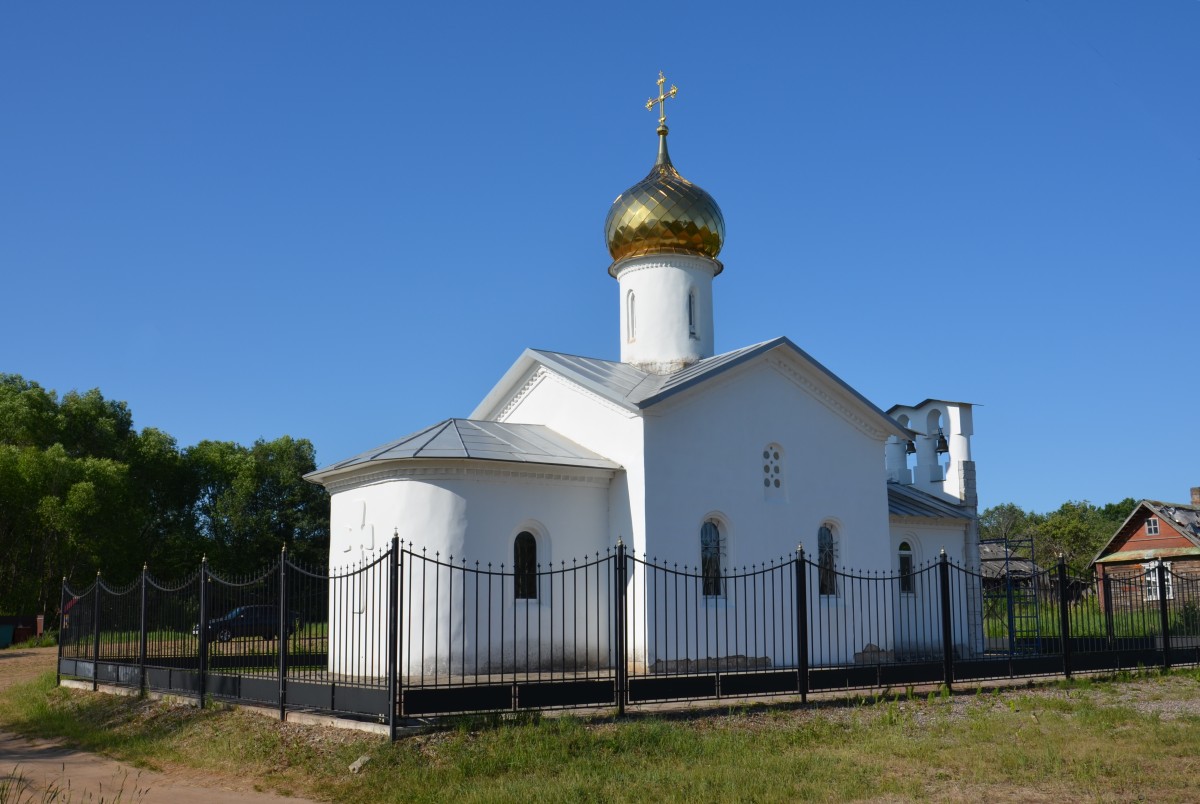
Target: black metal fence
[407,634]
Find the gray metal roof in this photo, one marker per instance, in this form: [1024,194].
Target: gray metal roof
[636,389]
[485,441]
[619,382]
[907,501]
[997,560]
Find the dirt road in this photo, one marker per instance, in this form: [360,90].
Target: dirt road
[45,765]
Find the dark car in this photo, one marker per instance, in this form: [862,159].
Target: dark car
[259,621]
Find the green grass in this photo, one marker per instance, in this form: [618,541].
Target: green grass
[1069,741]
[309,637]
[1087,620]
[47,640]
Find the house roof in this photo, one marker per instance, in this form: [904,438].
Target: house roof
[485,441]
[907,501]
[1183,518]
[1148,555]
[635,389]
[996,560]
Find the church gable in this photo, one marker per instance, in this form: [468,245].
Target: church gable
[771,460]
[783,359]
[767,395]
[635,390]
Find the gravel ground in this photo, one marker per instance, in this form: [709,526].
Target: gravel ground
[44,765]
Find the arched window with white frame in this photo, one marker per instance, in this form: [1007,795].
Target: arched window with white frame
[525,566]
[630,317]
[712,558]
[904,556]
[827,561]
[691,312]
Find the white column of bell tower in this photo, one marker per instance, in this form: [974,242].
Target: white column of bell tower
[666,310]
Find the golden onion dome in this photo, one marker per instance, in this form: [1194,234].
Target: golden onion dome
[664,213]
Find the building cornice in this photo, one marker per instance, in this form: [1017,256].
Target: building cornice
[531,382]
[542,373]
[930,522]
[645,262]
[474,471]
[822,394]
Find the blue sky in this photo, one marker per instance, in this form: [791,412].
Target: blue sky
[345,221]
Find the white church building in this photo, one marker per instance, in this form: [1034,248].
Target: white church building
[713,461]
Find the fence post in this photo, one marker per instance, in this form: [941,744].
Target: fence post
[1064,615]
[62,630]
[203,646]
[96,635]
[1109,621]
[621,593]
[947,628]
[802,623]
[393,641]
[285,631]
[144,638]
[1164,616]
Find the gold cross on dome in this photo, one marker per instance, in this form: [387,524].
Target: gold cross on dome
[661,100]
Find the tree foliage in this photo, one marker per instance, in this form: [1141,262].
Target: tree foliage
[1076,529]
[81,491]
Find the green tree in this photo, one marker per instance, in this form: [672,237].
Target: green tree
[249,502]
[82,490]
[1006,521]
[1077,529]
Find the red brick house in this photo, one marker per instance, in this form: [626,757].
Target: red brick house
[1155,532]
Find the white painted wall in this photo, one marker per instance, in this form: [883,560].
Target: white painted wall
[704,458]
[604,428]
[610,430]
[662,340]
[451,511]
[917,629]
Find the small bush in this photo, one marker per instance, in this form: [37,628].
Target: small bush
[47,640]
